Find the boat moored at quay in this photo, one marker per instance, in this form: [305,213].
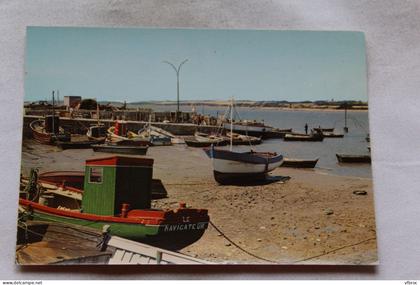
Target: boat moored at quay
[48,130]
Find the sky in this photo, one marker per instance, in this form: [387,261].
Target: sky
[126,64]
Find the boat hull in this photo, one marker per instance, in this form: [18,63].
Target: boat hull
[139,150]
[345,158]
[232,167]
[299,163]
[166,235]
[158,141]
[45,137]
[303,138]
[275,134]
[246,142]
[331,135]
[195,143]
[265,132]
[238,178]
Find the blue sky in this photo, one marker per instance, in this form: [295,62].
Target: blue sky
[120,64]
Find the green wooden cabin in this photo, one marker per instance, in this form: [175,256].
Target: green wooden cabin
[116,180]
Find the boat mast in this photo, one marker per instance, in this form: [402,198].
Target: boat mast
[149,129]
[53,113]
[231,124]
[97,113]
[346,129]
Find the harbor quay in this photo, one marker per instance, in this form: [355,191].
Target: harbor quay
[80,125]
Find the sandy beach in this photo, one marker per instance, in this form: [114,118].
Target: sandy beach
[303,216]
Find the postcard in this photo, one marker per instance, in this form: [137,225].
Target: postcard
[187,146]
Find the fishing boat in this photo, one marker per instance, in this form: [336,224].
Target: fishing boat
[193,142]
[108,200]
[255,129]
[332,135]
[95,135]
[156,138]
[122,149]
[119,135]
[299,163]
[174,139]
[96,132]
[275,133]
[319,129]
[314,137]
[48,130]
[239,139]
[242,167]
[351,158]
[230,167]
[209,138]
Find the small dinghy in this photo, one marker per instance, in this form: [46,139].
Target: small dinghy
[48,130]
[299,163]
[96,132]
[314,137]
[351,158]
[193,142]
[319,129]
[209,138]
[332,135]
[238,139]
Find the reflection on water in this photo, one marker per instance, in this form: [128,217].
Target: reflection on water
[353,142]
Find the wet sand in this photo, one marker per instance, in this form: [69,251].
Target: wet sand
[311,218]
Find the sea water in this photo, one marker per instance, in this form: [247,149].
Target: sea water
[354,142]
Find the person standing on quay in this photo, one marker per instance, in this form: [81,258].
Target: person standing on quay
[306,128]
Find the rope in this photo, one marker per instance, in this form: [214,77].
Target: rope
[334,250]
[239,247]
[358,124]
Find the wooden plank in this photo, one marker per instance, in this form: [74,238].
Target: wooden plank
[148,254]
[117,257]
[127,257]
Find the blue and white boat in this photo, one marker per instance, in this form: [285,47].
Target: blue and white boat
[241,167]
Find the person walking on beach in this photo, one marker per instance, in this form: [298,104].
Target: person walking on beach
[306,128]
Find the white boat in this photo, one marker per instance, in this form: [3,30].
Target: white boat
[230,167]
[159,136]
[243,167]
[156,139]
[214,139]
[239,139]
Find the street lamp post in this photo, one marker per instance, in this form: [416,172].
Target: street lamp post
[177,69]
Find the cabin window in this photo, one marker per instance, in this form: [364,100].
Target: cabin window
[96,175]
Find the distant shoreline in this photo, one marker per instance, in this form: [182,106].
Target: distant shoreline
[318,109]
